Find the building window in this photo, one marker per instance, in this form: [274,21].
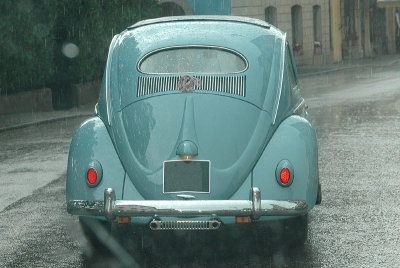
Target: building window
[171,9]
[297,30]
[270,15]
[317,29]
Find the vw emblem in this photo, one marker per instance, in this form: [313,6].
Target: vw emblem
[188,84]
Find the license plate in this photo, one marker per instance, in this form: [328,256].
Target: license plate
[186,176]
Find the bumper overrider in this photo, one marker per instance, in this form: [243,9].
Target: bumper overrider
[254,208]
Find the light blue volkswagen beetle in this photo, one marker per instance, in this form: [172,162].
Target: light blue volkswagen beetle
[200,125]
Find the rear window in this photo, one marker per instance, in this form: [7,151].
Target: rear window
[193,59]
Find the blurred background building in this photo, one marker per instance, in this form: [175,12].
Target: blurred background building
[62,45]
[319,31]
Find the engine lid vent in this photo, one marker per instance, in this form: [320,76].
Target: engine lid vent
[235,85]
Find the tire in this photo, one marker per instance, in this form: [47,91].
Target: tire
[97,232]
[107,247]
[282,233]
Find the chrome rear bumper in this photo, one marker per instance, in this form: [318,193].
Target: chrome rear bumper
[255,208]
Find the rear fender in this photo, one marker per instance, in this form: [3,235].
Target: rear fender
[91,143]
[294,140]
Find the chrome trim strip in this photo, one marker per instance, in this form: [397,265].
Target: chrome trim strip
[144,81]
[238,90]
[193,46]
[186,196]
[141,86]
[146,86]
[214,82]
[150,86]
[109,56]
[234,84]
[240,86]
[224,18]
[244,89]
[111,207]
[281,76]
[237,82]
[243,82]
[302,103]
[176,83]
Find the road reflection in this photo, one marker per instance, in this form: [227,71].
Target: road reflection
[230,248]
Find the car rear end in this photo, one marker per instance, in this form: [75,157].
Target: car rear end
[195,131]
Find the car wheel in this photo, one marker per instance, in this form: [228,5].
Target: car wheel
[319,195]
[288,232]
[97,232]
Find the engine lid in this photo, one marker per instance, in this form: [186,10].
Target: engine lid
[228,133]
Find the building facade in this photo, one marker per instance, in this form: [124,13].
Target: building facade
[319,31]
[305,22]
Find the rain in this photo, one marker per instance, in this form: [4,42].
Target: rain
[54,55]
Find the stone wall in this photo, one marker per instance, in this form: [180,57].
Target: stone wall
[41,100]
[87,93]
[256,9]
[24,102]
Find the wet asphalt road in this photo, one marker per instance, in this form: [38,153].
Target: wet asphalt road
[357,117]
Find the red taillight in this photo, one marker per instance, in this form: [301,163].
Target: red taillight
[92,176]
[285,175]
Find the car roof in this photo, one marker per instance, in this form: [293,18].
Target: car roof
[202,18]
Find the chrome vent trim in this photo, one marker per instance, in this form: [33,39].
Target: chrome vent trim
[184,225]
[235,85]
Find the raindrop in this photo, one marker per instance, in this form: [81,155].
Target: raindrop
[70,50]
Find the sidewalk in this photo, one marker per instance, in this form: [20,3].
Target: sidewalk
[381,61]
[13,121]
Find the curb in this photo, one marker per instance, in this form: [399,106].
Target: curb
[45,121]
[326,71]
